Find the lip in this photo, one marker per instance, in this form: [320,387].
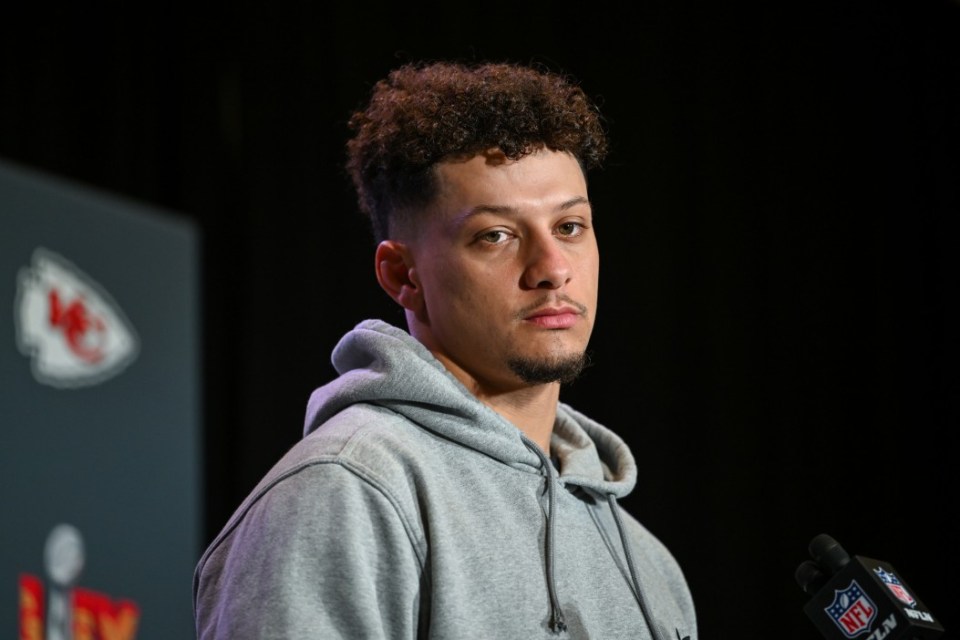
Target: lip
[555,317]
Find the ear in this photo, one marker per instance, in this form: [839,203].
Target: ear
[397,275]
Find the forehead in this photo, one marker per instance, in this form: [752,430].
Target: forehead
[540,179]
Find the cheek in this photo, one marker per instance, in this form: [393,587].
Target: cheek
[449,292]
[593,268]
[468,284]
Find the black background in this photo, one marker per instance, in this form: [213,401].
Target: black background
[777,336]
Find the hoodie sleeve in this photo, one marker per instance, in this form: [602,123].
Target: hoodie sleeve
[322,553]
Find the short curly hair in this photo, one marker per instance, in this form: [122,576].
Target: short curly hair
[422,114]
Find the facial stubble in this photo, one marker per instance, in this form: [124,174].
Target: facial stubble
[564,369]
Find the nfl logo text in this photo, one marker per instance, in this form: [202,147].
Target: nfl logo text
[896,587]
[852,611]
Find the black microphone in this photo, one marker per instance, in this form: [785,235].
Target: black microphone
[862,598]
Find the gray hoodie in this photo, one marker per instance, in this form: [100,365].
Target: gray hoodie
[411,510]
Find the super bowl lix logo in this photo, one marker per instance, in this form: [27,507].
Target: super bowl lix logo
[68,612]
[852,611]
[73,331]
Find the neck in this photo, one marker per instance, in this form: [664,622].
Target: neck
[531,408]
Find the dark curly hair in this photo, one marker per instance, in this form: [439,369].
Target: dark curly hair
[423,114]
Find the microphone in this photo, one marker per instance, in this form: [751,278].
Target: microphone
[862,598]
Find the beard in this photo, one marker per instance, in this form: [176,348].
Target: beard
[563,369]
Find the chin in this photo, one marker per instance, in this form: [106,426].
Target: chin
[556,368]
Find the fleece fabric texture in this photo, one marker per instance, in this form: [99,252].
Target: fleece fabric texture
[411,510]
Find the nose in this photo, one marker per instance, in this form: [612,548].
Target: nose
[547,265]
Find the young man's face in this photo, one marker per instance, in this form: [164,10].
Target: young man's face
[507,264]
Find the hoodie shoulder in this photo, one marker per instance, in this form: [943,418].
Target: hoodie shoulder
[365,442]
[372,441]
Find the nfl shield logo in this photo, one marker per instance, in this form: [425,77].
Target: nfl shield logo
[893,583]
[852,611]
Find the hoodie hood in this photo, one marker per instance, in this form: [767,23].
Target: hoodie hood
[382,365]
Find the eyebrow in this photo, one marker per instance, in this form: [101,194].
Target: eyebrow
[507,210]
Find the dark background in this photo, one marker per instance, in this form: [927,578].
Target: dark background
[777,337]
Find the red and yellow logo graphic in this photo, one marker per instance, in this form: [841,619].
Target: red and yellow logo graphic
[67,612]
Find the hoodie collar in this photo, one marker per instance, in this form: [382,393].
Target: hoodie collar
[591,456]
[383,365]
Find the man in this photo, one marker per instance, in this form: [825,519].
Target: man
[441,489]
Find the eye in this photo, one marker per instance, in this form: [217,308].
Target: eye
[495,236]
[571,229]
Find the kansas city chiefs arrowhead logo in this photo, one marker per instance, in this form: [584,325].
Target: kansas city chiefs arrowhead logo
[73,331]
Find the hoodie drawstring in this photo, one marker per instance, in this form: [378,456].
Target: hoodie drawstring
[557,621]
[615,508]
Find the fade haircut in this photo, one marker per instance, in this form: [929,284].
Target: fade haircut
[422,114]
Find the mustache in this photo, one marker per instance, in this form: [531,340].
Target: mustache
[548,300]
